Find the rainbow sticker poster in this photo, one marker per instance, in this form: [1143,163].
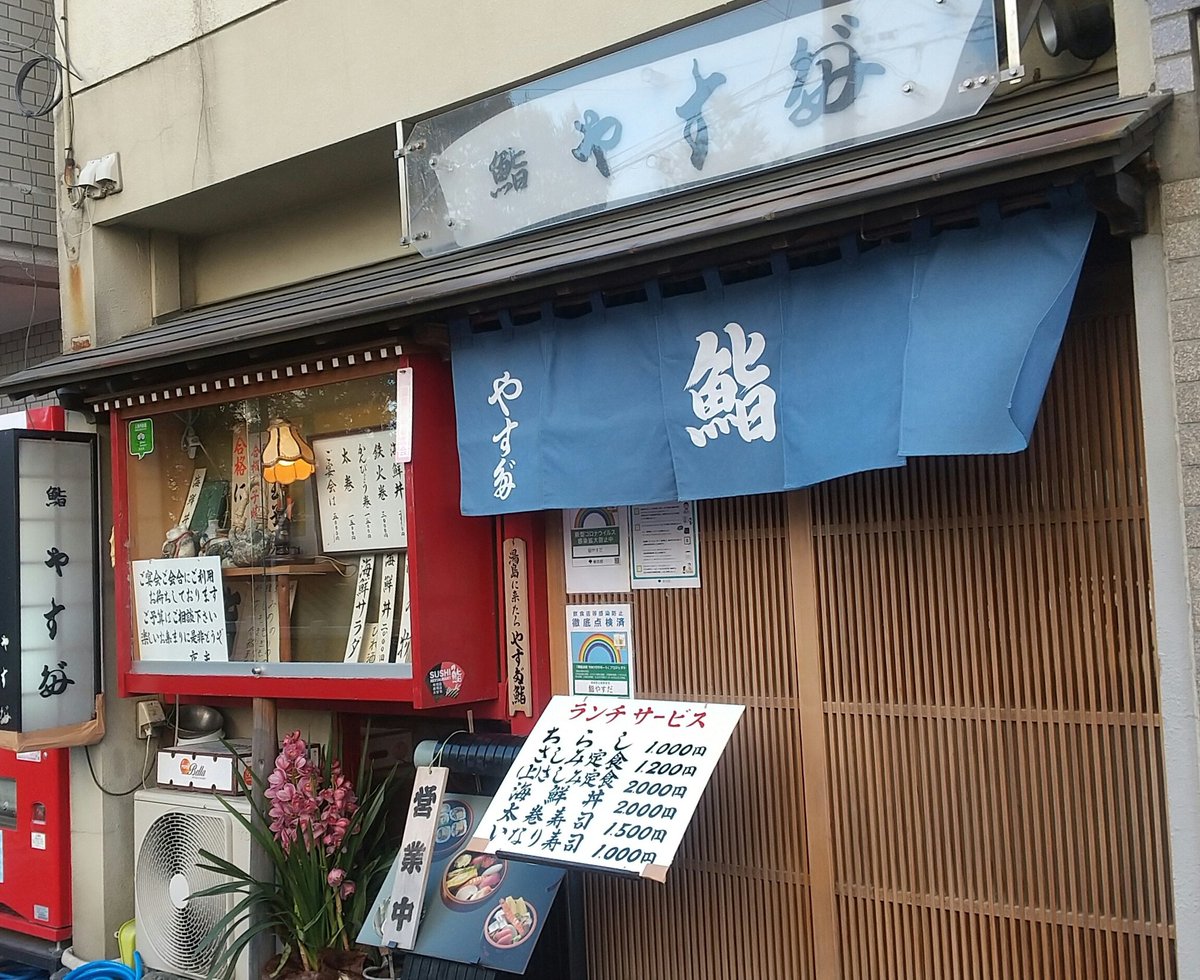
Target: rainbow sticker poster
[600,641]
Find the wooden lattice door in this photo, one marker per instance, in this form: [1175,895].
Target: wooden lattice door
[950,765]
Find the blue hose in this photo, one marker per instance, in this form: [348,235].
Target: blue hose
[108,970]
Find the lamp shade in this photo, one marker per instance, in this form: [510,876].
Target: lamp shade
[287,457]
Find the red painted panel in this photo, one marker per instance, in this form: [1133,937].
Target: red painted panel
[452,558]
[35,866]
[452,577]
[49,419]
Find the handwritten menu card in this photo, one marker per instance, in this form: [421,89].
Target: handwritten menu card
[180,609]
[608,785]
[360,493]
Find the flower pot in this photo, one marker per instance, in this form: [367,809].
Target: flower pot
[335,965]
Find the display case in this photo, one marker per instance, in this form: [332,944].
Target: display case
[296,534]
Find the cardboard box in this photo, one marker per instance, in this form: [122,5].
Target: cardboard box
[206,766]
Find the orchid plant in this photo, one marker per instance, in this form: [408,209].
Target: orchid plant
[325,841]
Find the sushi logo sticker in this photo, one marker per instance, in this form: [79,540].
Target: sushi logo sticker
[445,680]
[410,870]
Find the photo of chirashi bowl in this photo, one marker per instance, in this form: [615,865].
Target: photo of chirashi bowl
[471,877]
[510,923]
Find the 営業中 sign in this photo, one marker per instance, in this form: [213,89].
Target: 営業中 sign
[607,784]
[414,857]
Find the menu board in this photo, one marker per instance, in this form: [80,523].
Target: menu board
[360,493]
[608,784]
[479,908]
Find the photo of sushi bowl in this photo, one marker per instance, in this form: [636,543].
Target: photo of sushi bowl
[454,823]
[471,877]
[510,923]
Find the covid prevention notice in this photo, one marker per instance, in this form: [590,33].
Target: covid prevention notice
[610,785]
[600,645]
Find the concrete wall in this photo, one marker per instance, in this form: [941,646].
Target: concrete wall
[304,73]
[1159,48]
[113,38]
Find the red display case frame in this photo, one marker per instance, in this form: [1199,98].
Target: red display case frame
[453,572]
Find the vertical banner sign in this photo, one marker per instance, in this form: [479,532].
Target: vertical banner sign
[358,615]
[516,625]
[193,495]
[600,645]
[607,785]
[404,637]
[404,415]
[380,648]
[411,867]
[246,495]
[49,585]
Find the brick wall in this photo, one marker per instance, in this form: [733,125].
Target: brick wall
[27,175]
[27,168]
[45,341]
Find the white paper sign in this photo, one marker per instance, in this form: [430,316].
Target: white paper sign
[404,416]
[360,493]
[596,549]
[404,637]
[608,784]
[180,609]
[665,546]
[412,860]
[381,642]
[358,614]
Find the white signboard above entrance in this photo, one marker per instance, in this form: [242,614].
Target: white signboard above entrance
[608,784]
[762,85]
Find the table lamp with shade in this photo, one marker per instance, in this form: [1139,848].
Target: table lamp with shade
[287,457]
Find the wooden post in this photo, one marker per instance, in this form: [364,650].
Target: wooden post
[263,749]
[813,753]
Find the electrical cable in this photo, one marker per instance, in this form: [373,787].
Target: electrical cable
[53,94]
[87,751]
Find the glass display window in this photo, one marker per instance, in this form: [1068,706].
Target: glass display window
[272,543]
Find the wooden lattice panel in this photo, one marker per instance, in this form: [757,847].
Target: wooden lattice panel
[991,698]
[738,892]
[950,764]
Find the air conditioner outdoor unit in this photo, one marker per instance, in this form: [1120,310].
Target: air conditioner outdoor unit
[170,829]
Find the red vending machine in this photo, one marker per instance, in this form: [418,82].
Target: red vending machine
[35,843]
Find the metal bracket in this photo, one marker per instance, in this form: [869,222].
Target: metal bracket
[1015,71]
